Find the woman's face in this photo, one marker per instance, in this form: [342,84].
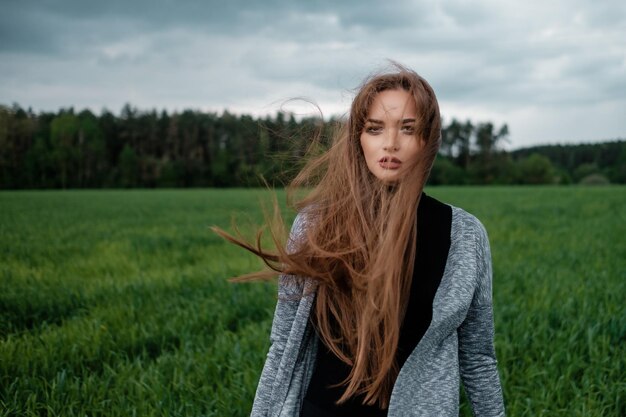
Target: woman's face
[388,138]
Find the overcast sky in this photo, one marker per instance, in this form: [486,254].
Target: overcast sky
[553,70]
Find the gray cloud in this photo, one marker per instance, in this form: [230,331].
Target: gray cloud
[539,66]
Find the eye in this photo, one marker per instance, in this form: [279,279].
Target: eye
[373,130]
[408,129]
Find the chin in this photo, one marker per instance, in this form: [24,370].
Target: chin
[388,179]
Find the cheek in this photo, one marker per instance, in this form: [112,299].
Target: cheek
[365,147]
[418,147]
[410,150]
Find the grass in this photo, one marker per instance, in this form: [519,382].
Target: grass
[116,302]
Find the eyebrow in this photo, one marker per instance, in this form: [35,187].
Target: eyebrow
[380,122]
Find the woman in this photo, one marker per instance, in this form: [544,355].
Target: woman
[385,293]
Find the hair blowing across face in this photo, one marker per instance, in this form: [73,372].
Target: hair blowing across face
[360,240]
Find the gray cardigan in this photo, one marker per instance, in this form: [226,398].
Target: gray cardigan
[458,344]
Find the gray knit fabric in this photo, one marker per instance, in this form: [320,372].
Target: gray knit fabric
[457,346]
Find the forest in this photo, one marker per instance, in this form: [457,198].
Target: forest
[148,149]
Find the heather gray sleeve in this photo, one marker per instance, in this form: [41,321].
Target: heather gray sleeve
[289,292]
[477,358]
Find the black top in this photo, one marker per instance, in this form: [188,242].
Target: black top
[434,222]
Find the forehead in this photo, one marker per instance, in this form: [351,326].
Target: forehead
[392,103]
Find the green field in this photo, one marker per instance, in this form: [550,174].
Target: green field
[116,302]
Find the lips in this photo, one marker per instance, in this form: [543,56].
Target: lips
[389,162]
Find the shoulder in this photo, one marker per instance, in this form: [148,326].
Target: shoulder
[464,225]
[467,226]
[291,285]
[470,248]
[298,229]
[469,241]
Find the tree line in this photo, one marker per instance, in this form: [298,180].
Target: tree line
[70,149]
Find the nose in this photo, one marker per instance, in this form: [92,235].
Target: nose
[391,140]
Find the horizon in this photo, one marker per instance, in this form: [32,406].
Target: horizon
[505,146]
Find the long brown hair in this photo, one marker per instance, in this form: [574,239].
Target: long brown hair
[360,240]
